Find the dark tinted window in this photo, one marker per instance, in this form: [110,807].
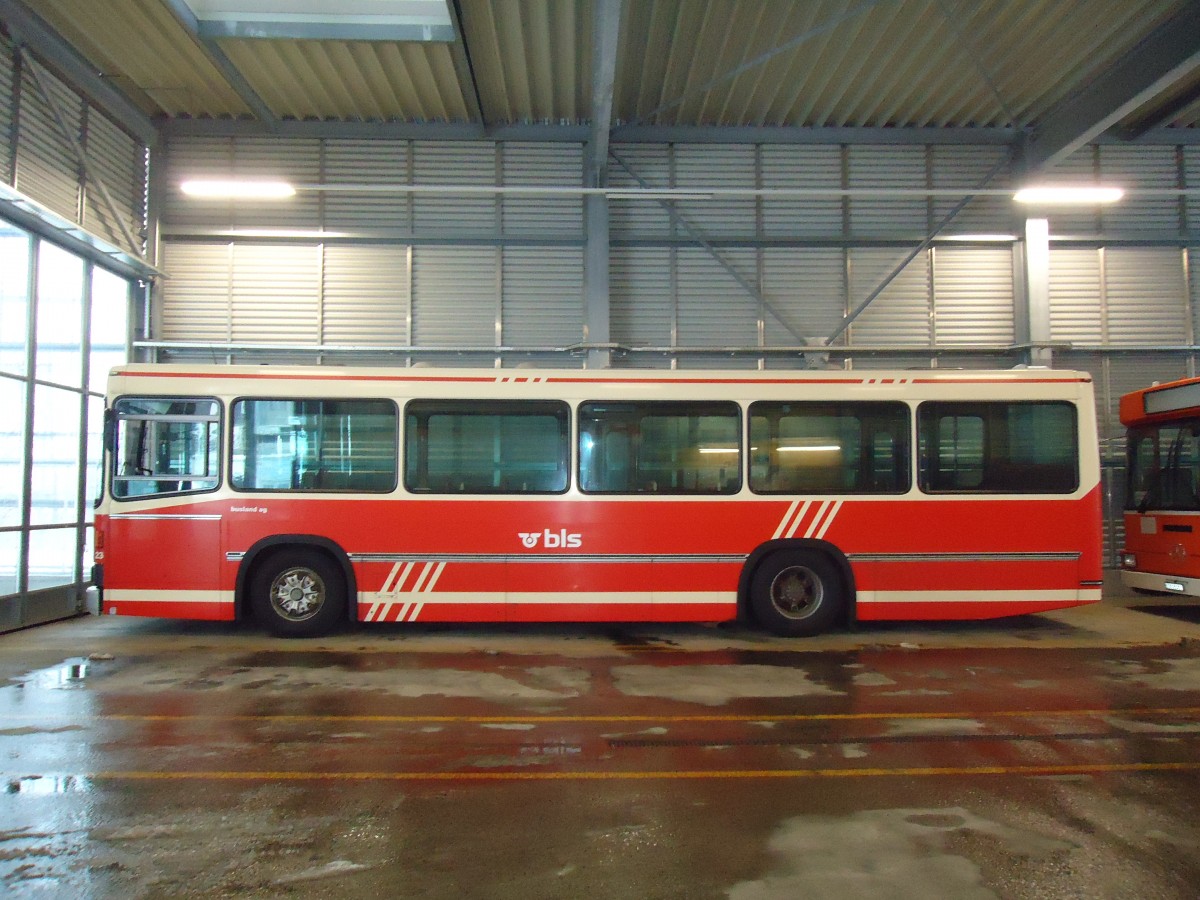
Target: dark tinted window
[830,448]
[993,447]
[486,447]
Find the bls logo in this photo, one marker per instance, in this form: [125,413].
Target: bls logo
[551,540]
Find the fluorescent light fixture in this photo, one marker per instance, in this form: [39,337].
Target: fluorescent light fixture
[812,448]
[1067,195]
[979,238]
[231,189]
[718,450]
[324,20]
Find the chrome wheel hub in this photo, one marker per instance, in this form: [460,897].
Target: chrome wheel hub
[297,594]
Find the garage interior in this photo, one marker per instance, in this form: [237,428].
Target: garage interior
[584,184]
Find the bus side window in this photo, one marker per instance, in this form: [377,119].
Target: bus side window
[1020,447]
[829,447]
[314,445]
[486,447]
[165,445]
[660,447]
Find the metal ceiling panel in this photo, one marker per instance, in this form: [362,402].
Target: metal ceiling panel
[358,81]
[143,49]
[726,63]
[532,58]
[851,63]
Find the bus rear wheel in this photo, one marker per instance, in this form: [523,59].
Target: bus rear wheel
[298,592]
[796,593]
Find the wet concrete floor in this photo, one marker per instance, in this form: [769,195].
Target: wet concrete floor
[1047,756]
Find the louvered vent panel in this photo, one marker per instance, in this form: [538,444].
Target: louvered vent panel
[1191,177]
[6,110]
[714,310]
[548,165]
[47,168]
[543,297]
[378,163]
[1141,168]
[1146,295]
[456,163]
[119,162]
[900,315]
[276,293]
[639,218]
[888,167]
[967,168]
[719,166]
[973,295]
[195,295]
[695,361]
[1075,295]
[802,168]
[640,288]
[454,296]
[1193,268]
[292,160]
[808,288]
[906,363]
[976,361]
[365,297]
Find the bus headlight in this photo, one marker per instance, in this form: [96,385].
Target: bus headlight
[1128,560]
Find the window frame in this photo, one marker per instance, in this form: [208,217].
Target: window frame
[978,408]
[315,490]
[739,437]
[906,436]
[112,430]
[483,407]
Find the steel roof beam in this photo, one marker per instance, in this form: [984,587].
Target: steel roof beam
[28,28]
[186,18]
[606,27]
[631,134]
[460,55]
[1168,54]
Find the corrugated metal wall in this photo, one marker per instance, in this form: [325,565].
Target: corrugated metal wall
[38,159]
[499,280]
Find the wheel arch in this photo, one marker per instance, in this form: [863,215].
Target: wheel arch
[261,549]
[764,550]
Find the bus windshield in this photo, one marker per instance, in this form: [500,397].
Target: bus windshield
[1164,467]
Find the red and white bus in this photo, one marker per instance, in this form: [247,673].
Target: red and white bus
[1162,508]
[311,496]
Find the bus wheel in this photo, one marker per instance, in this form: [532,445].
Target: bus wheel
[796,593]
[298,593]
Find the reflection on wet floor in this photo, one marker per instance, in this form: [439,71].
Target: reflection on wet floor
[635,765]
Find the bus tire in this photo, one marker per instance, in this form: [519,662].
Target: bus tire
[298,592]
[796,593]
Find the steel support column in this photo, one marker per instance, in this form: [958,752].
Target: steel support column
[1031,298]
[606,28]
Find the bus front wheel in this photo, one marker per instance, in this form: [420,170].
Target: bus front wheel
[298,592]
[795,593]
